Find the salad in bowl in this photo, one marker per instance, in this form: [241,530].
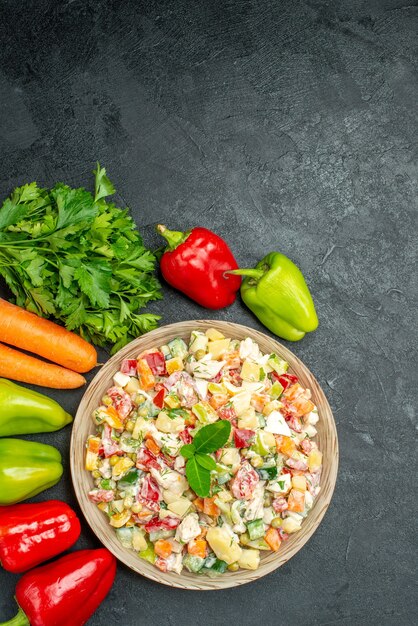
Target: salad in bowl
[204,454]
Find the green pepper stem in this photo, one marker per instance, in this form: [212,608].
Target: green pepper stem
[173,237]
[253,273]
[19,619]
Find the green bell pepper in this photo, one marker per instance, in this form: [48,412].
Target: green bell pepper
[26,469]
[23,411]
[276,292]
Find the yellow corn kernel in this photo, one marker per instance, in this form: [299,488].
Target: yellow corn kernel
[113,460]
[96,474]
[129,426]
[234,567]
[276,522]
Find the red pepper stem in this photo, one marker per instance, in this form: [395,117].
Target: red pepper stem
[19,619]
[253,273]
[173,237]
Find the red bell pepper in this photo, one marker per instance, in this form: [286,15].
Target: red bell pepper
[243,437]
[156,361]
[195,263]
[65,592]
[285,379]
[33,533]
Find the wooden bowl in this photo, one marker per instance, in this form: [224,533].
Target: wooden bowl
[83,482]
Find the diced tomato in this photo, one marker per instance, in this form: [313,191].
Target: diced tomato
[156,362]
[121,401]
[185,435]
[101,495]
[109,446]
[128,367]
[227,413]
[243,437]
[150,506]
[159,398]
[244,482]
[150,489]
[161,564]
[285,379]
[168,523]
[145,460]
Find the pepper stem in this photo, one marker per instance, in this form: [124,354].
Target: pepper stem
[253,273]
[173,237]
[19,619]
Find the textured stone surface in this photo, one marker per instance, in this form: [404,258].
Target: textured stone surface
[281,125]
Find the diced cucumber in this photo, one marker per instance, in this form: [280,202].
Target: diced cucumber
[131,478]
[219,566]
[160,534]
[125,536]
[223,478]
[166,351]
[276,390]
[267,473]
[148,554]
[256,529]
[210,560]
[178,348]
[193,563]
[261,420]
[258,544]
[278,365]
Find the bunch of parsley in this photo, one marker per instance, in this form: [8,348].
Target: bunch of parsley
[74,256]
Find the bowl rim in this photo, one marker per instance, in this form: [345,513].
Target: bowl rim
[231,579]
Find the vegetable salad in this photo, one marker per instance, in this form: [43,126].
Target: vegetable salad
[261,483]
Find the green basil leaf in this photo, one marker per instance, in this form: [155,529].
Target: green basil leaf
[205,461]
[212,437]
[187,450]
[198,477]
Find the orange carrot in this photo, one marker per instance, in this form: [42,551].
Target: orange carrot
[28,331]
[210,508]
[198,502]
[152,446]
[27,369]
[272,538]
[163,548]
[296,501]
[197,547]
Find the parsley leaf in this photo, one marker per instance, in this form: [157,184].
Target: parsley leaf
[67,253]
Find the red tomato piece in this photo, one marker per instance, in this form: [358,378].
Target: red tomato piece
[150,489]
[146,459]
[168,523]
[128,367]
[242,437]
[156,362]
[285,379]
[121,401]
[185,435]
[159,398]
[244,482]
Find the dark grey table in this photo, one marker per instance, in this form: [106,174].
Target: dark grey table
[281,125]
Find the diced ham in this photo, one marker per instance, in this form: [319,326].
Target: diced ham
[101,495]
[146,459]
[307,445]
[297,464]
[121,401]
[150,490]
[244,482]
[243,437]
[109,445]
[279,505]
